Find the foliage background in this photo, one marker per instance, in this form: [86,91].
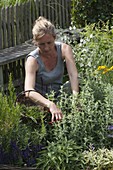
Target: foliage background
[91,11]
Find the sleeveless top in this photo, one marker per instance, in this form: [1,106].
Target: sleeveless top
[47,81]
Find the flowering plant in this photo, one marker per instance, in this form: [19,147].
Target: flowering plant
[107,73]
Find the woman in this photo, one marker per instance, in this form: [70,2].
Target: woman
[45,67]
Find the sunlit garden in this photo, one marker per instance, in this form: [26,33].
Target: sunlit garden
[83,140]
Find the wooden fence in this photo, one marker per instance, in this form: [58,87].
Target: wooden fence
[16,21]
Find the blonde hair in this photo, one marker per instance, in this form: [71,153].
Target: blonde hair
[41,27]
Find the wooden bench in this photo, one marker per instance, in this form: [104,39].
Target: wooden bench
[12,61]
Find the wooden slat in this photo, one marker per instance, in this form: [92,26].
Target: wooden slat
[34,13]
[9,40]
[41,8]
[18,68]
[56,14]
[45,8]
[14,70]
[59,13]
[5,73]
[49,9]
[53,12]
[36,6]
[1,76]
[1,38]
[23,67]
[29,19]
[21,23]
[13,43]
[63,12]
[25,22]
[69,12]
[4,33]
[10,65]
[17,29]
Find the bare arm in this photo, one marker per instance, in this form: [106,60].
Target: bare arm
[30,68]
[71,67]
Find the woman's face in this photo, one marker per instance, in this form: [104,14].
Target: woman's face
[46,43]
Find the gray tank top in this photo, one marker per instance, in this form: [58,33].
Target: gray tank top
[52,80]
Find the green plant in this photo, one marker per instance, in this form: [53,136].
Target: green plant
[21,128]
[60,155]
[85,125]
[101,159]
[85,11]
[9,114]
[94,49]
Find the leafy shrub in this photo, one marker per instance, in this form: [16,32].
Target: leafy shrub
[22,130]
[85,11]
[9,115]
[84,126]
[87,119]
[60,155]
[99,160]
[94,49]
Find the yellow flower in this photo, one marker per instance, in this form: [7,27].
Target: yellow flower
[102,68]
[105,71]
[111,68]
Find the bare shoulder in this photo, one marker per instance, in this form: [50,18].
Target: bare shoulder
[31,62]
[66,50]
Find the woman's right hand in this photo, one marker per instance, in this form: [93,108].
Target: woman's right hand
[56,112]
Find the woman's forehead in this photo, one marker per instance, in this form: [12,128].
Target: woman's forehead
[46,37]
